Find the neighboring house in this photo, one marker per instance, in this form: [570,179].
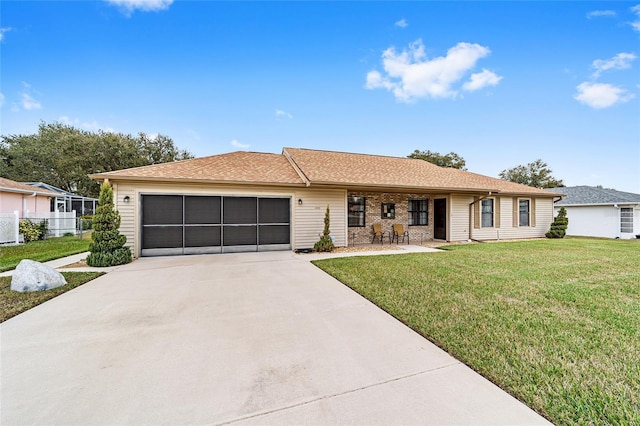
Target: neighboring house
[600,212]
[247,201]
[66,201]
[25,199]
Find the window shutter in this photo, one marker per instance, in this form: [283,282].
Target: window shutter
[516,210]
[496,212]
[476,212]
[532,212]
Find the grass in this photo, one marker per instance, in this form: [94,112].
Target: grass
[42,251]
[556,323]
[13,303]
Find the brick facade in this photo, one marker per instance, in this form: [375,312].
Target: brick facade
[373,213]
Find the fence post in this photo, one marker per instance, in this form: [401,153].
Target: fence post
[16,228]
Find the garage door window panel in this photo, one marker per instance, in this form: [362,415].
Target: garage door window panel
[162,237]
[202,210]
[202,236]
[274,234]
[239,210]
[162,210]
[273,210]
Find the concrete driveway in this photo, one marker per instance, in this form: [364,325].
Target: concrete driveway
[259,338]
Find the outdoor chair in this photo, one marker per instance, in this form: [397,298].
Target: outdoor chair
[378,233]
[398,231]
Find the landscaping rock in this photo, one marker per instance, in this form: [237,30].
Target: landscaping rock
[35,276]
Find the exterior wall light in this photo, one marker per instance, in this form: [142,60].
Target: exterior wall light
[299,201]
[126,199]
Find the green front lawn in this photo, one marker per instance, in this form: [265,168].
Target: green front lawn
[556,323]
[42,251]
[13,303]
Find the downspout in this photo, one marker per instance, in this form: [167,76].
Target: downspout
[471,213]
[24,202]
[619,219]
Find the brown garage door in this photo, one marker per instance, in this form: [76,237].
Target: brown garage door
[189,224]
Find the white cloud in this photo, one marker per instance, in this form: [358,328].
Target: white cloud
[410,75]
[636,24]
[402,23]
[130,6]
[87,125]
[237,144]
[281,115]
[29,103]
[2,31]
[601,95]
[481,80]
[619,62]
[599,13]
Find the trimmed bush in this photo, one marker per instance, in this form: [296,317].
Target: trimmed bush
[107,244]
[559,225]
[325,243]
[30,231]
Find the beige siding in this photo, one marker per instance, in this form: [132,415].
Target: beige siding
[309,217]
[459,217]
[127,211]
[509,228]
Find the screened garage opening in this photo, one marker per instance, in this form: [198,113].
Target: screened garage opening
[192,224]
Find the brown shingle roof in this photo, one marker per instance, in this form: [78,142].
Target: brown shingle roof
[23,188]
[330,167]
[239,166]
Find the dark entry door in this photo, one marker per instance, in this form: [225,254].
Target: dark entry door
[440,219]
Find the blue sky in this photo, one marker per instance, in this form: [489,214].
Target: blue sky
[499,83]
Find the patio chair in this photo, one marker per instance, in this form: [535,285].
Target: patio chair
[378,233]
[398,231]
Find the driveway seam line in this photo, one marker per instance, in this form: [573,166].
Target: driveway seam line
[300,404]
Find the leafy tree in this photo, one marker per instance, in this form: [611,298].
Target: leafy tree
[325,243]
[443,160]
[536,174]
[107,246]
[64,156]
[559,225]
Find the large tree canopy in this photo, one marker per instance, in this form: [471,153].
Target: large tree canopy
[536,174]
[444,160]
[64,156]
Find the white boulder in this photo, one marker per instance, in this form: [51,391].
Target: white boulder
[35,276]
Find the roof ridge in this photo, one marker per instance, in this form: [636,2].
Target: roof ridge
[361,154]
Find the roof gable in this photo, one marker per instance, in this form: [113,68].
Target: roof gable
[585,195]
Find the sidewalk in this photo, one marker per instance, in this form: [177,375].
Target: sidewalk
[60,265]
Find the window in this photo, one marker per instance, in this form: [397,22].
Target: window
[418,212]
[626,219]
[487,213]
[524,212]
[357,207]
[388,211]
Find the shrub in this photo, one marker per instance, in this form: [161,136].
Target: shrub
[43,227]
[559,225]
[325,243]
[107,246]
[30,231]
[86,222]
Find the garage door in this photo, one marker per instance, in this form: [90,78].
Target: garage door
[186,224]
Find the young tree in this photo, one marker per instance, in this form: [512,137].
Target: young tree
[536,174]
[559,225]
[443,160]
[107,246]
[325,243]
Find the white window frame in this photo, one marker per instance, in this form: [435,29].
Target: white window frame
[627,223]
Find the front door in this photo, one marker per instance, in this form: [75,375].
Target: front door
[440,219]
